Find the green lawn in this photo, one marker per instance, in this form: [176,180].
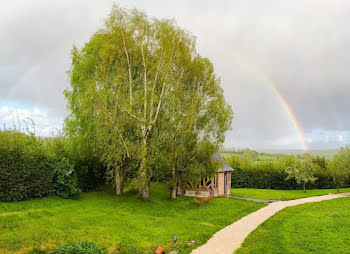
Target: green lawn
[310,228]
[277,194]
[113,221]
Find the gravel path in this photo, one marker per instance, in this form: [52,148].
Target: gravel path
[229,239]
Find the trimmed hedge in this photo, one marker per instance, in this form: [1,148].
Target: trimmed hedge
[29,169]
[272,175]
[25,170]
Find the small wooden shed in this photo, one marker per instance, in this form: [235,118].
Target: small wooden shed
[219,185]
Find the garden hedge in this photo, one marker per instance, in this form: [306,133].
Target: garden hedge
[30,169]
[272,175]
[24,167]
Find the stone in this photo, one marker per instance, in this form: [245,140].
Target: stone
[190,243]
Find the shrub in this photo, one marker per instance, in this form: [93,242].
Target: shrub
[24,167]
[83,247]
[65,178]
[90,171]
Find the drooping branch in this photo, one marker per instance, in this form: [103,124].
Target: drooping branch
[125,146]
[135,117]
[109,116]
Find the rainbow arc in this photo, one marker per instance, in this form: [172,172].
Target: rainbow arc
[288,109]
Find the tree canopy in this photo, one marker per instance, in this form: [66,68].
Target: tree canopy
[340,167]
[303,170]
[140,93]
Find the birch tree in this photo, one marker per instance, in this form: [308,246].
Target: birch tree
[119,81]
[194,120]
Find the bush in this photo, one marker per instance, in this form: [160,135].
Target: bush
[83,247]
[90,171]
[24,167]
[65,178]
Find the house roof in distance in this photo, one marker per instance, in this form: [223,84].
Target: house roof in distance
[216,157]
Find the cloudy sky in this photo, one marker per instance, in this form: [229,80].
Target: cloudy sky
[302,48]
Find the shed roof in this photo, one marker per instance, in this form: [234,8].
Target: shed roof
[216,157]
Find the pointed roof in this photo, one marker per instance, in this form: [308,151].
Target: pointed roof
[216,157]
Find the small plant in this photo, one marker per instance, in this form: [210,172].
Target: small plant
[83,247]
[66,181]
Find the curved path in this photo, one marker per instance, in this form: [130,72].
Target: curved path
[229,239]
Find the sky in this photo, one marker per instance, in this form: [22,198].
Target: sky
[282,64]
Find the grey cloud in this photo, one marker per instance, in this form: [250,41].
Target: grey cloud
[301,45]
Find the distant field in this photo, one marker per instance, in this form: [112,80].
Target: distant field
[310,228]
[40,225]
[277,194]
[225,155]
[261,157]
[328,154]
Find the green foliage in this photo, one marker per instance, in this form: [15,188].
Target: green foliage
[90,171]
[139,93]
[271,174]
[65,178]
[340,167]
[260,174]
[83,247]
[25,170]
[30,167]
[303,171]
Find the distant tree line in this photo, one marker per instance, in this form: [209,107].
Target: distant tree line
[289,171]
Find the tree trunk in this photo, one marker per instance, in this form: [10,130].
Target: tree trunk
[118,180]
[338,188]
[304,187]
[123,182]
[173,183]
[144,178]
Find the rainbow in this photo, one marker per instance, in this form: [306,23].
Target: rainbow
[281,98]
[28,73]
[287,108]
